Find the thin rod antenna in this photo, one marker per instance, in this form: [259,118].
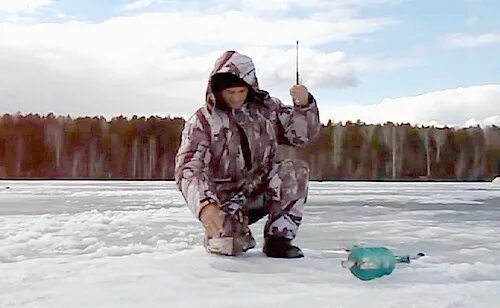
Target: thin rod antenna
[297,64]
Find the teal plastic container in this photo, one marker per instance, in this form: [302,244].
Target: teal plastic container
[367,263]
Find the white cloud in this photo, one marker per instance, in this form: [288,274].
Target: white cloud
[454,107]
[172,29]
[493,120]
[277,68]
[159,62]
[383,64]
[137,5]
[467,40]
[278,6]
[22,6]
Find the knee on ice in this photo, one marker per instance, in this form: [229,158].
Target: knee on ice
[297,166]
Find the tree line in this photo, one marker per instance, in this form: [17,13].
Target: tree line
[60,147]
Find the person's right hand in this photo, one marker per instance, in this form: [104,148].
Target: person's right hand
[212,219]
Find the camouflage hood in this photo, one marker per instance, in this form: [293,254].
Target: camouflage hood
[240,66]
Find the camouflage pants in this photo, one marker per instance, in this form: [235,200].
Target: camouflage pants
[283,202]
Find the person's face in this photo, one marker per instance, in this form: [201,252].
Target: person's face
[235,97]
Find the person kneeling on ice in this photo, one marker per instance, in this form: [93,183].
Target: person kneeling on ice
[226,166]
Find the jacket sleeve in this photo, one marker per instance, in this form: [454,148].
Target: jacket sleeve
[297,125]
[191,164]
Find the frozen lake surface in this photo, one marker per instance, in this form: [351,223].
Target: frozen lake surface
[135,244]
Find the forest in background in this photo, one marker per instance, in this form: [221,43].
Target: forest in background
[60,147]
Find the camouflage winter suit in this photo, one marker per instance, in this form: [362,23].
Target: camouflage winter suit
[210,167]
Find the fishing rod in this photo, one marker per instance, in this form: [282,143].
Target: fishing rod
[297,64]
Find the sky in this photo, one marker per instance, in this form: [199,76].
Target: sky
[406,61]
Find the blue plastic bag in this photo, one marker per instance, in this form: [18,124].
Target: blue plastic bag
[367,263]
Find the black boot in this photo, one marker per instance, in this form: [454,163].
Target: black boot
[276,247]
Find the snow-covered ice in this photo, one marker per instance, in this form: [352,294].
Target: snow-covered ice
[135,244]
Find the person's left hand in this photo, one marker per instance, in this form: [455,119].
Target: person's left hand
[299,94]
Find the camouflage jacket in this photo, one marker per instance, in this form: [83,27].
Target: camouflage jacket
[209,165]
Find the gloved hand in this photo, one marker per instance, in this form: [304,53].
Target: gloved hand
[300,95]
[212,219]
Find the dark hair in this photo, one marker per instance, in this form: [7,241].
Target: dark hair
[221,81]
